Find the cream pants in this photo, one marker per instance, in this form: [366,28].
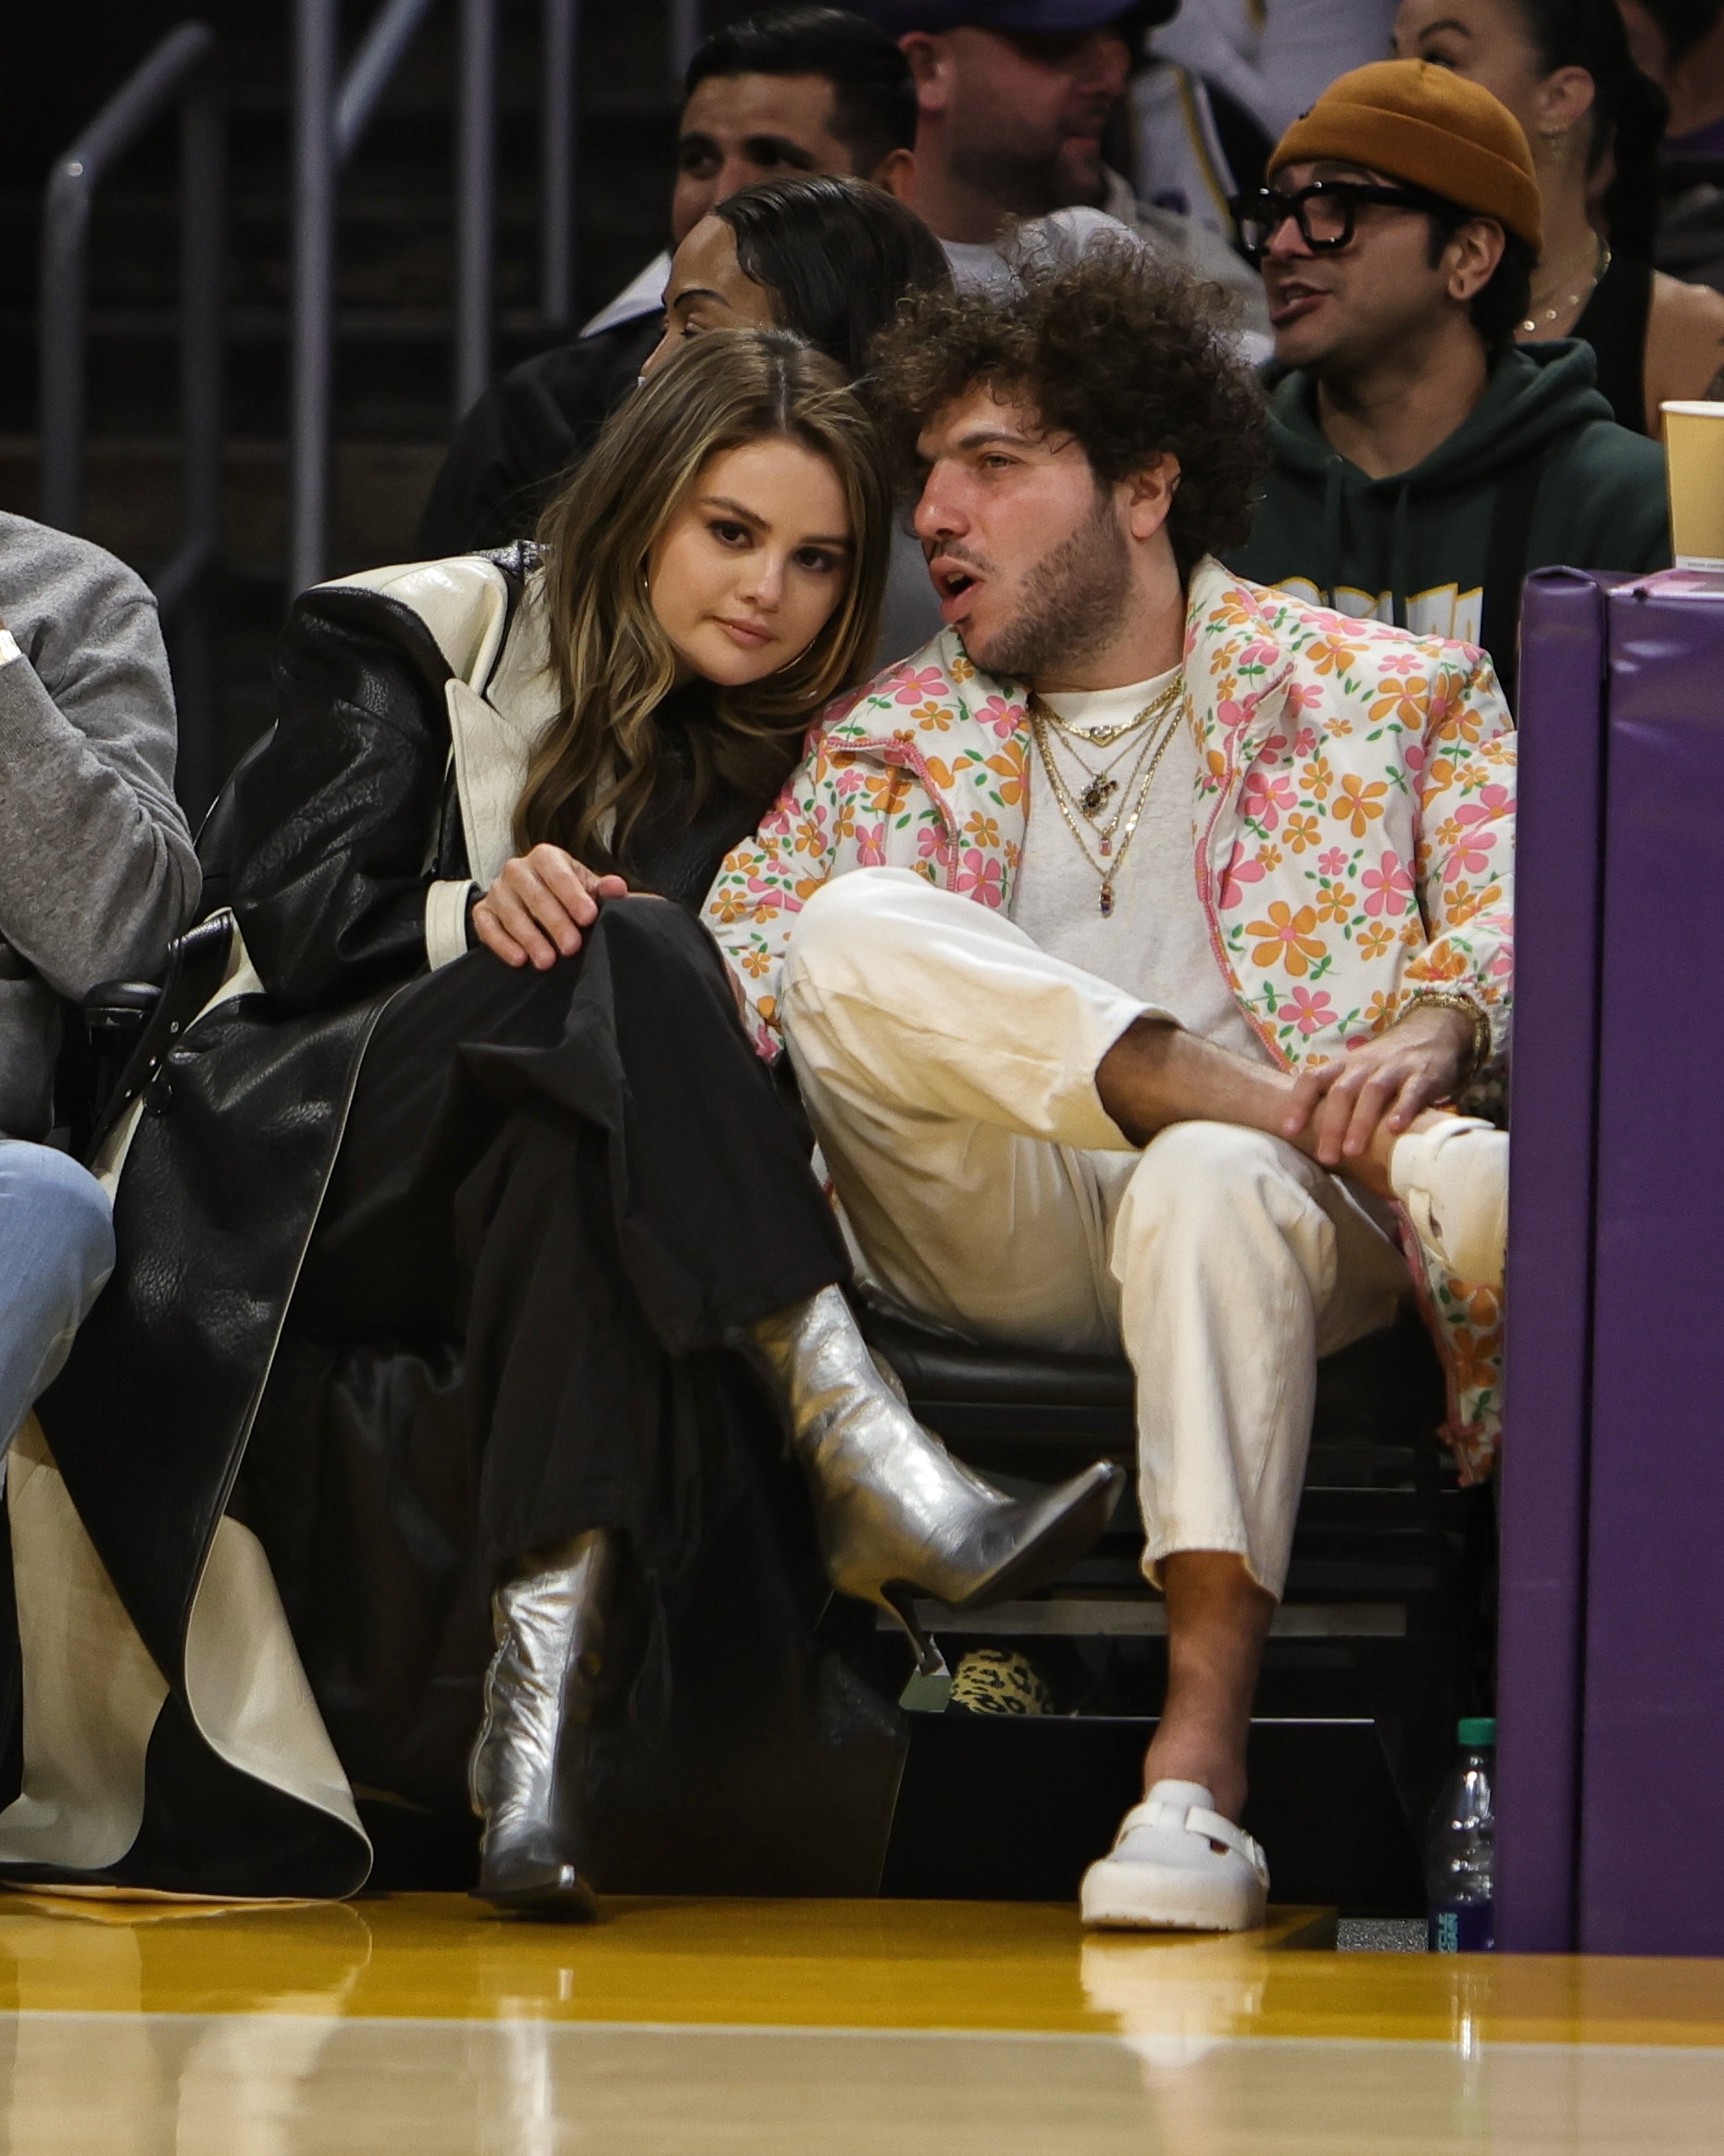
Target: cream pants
[948,1065]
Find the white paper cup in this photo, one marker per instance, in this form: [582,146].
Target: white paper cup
[1694,456]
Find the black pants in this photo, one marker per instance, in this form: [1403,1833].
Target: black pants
[555,1195]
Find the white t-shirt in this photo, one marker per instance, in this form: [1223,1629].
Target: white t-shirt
[1155,943]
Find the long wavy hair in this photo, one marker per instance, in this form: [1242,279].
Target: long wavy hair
[596,765]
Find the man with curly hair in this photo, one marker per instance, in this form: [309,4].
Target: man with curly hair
[1126,941]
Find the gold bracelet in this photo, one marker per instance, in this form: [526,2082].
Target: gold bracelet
[1454,999]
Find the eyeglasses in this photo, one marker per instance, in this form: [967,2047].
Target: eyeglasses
[1324,212]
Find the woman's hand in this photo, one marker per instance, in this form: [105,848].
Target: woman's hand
[534,912]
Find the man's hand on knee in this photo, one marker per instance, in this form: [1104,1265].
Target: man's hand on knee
[1348,1113]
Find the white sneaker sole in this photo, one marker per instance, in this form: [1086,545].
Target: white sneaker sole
[1150,1896]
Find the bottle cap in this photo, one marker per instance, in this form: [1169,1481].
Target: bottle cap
[1475,1729]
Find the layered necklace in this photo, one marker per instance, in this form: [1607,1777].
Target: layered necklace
[1540,318]
[1084,802]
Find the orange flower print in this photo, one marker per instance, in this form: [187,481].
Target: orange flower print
[1302,832]
[755,960]
[1012,772]
[1317,778]
[984,830]
[1359,805]
[1332,654]
[960,670]
[1461,902]
[1270,856]
[730,903]
[1375,940]
[1399,703]
[1287,938]
[1334,902]
[939,771]
[936,716]
[810,837]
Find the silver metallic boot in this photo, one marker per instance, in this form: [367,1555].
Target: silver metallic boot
[528,1768]
[897,1515]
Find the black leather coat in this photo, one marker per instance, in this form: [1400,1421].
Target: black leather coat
[324,842]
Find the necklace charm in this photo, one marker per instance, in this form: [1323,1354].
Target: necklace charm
[1096,796]
[1107,845]
[1107,900]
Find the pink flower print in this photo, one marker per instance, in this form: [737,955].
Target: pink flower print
[1264,798]
[1471,854]
[1002,717]
[931,842]
[1259,652]
[1305,741]
[1304,696]
[1389,887]
[913,688]
[1332,863]
[980,877]
[871,846]
[1402,662]
[1239,871]
[1310,1012]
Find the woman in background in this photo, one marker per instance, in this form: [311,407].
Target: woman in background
[1592,119]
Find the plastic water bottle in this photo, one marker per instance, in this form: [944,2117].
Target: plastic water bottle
[1460,1848]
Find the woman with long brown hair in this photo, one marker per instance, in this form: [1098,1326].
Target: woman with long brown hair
[439,1246]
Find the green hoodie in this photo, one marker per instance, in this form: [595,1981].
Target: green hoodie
[1413,548]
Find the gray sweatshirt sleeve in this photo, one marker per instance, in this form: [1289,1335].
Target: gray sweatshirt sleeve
[97,870]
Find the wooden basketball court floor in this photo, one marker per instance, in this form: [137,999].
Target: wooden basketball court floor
[422,2024]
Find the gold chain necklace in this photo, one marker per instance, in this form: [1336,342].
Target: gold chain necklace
[1038,725]
[1105,736]
[1543,317]
[1101,784]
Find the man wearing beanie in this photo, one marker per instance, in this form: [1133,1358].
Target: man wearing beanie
[1422,461]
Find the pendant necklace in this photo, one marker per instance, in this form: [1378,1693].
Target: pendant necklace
[1099,784]
[1136,790]
[1542,317]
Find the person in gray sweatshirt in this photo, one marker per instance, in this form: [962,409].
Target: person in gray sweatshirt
[97,874]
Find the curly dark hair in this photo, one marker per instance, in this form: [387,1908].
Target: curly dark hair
[1129,355]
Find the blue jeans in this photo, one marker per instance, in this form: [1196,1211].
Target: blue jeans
[57,1250]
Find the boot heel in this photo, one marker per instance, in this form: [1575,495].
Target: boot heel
[928,1688]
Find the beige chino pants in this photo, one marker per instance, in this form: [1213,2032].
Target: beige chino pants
[948,1065]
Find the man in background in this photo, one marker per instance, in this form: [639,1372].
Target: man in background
[1422,461]
[97,872]
[792,90]
[1014,97]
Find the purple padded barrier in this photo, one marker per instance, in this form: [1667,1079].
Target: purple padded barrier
[1543,1490]
[1651,1858]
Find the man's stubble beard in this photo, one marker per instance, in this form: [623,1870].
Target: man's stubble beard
[1075,602]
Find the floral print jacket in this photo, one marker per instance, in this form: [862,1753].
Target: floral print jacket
[1353,832]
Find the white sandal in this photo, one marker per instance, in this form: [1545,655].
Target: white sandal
[1453,1179]
[1177,1865]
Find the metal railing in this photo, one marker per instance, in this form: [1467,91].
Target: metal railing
[179,72]
[330,113]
